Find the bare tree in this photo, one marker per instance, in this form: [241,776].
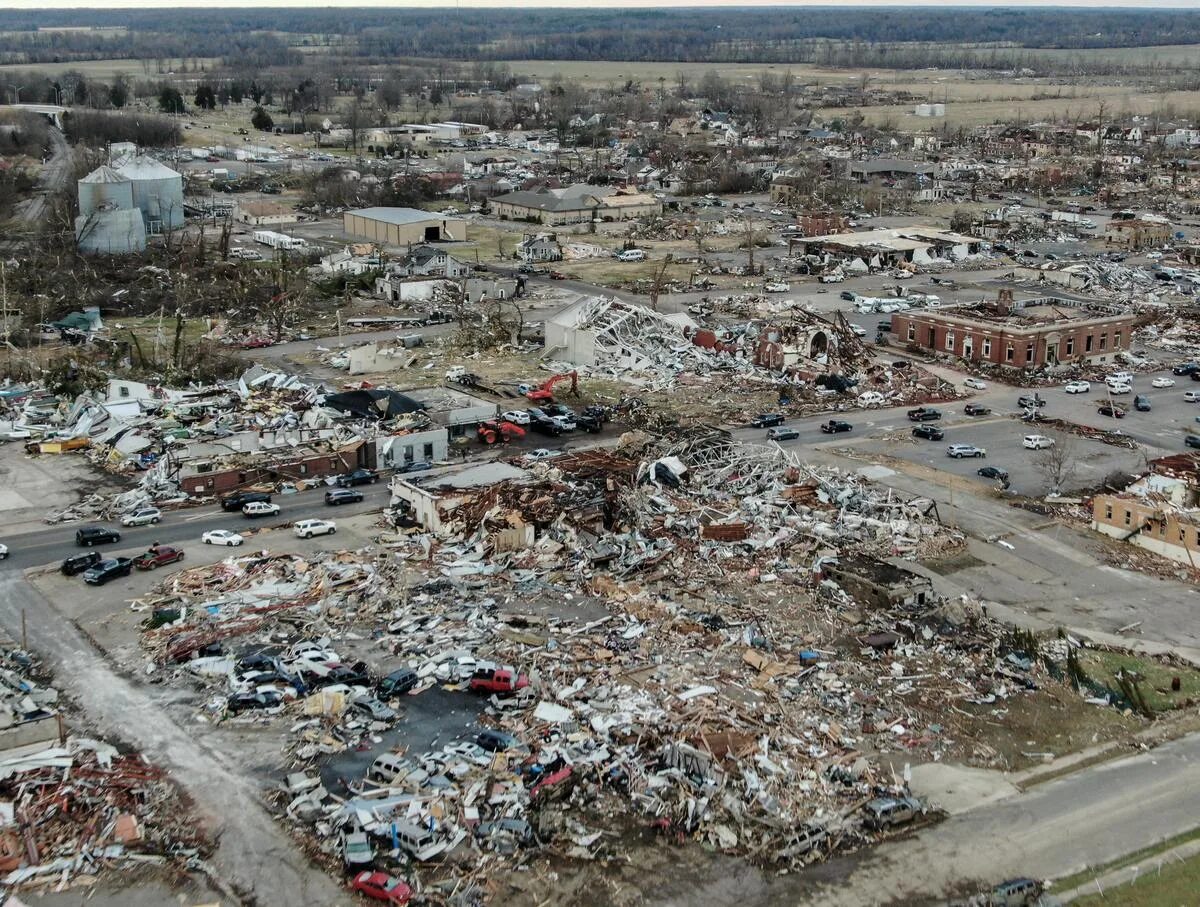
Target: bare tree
[1057,463]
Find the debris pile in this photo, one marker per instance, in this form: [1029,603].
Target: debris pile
[73,807]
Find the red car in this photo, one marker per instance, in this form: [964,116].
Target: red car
[557,275]
[497,680]
[382,887]
[158,557]
[255,344]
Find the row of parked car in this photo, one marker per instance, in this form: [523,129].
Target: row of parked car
[555,418]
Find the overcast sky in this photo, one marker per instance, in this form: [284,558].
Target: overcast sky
[579,4]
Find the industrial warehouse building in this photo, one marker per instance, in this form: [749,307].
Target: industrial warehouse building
[402,226]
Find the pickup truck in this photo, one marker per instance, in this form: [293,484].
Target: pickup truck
[497,680]
[158,557]
[921,414]
[109,568]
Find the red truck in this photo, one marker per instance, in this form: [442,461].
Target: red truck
[158,557]
[497,680]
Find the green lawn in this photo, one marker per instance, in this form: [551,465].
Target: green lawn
[1156,685]
[1175,884]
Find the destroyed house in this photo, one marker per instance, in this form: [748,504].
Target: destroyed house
[433,501]
[1159,511]
[881,584]
[219,476]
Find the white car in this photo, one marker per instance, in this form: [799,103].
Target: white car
[222,537]
[632,255]
[858,330]
[306,529]
[516,416]
[871,398]
[3,552]
[1120,378]
[776,287]
[259,508]
[1191,396]
[958,451]
[1037,442]
[1077,387]
[1163,382]
[1120,388]
[542,453]
[1154,256]
[142,516]
[975,383]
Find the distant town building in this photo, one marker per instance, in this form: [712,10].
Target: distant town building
[402,226]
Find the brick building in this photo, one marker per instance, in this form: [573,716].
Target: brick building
[1159,512]
[1135,232]
[1037,332]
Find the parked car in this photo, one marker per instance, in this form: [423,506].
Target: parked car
[1037,442]
[256,509]
[589,424]
[340,496]
[372,709]
[516,416]
[306,529]
[631,255]
[1025,401]
[398,682]
[888,811]
[780,433]
[143,516]
[974,383]
[415,466]
[1015,893]
[109,568]
[1077,387]
[517,830]
[923,414]
[1191,396]
[263,699]
[976,409]
[928,432]
[958,451]
[497,680]
[542,453]
[497,741]
[77,563]
[992,472]
[158,556]
[766,420]
[1192,440]
[222,537]
[776,286]
[95,535]
[382,887]
[848,295]
[240,499]
[357,477]
[1163,381]
[356,849]
[835,426]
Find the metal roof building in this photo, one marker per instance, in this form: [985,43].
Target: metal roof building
[402,226]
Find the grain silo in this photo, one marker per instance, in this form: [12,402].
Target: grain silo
[157,191]
[104,188]
[111,231]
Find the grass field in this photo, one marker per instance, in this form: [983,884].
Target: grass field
[102,69]
[1162,883]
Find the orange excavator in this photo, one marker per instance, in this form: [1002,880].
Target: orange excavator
[545,393]
[494,430]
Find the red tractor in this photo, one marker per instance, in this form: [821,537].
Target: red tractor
[545,393]
[492,431]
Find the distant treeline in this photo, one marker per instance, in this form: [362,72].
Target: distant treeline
[789,35]
[96,128]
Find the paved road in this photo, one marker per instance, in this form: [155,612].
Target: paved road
[53,178]
[182,527]
[254,853]
[1056,829]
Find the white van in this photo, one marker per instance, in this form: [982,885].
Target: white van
[632,255]
[413,838]
[387,767]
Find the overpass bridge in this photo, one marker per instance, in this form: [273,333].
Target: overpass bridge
[53,112]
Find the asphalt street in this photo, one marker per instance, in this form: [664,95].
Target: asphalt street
[182,527]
